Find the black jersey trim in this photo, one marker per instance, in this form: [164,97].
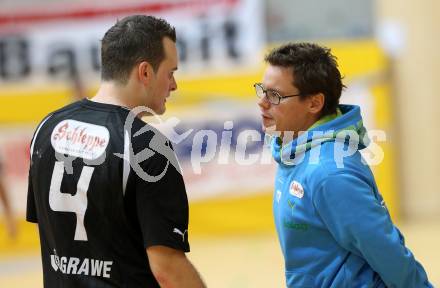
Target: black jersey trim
[126,161]
[36,134]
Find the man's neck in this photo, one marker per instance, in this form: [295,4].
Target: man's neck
[326,119]
[115,94]
[288,136]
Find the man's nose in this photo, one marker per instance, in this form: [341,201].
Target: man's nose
[263,103]
[173,86]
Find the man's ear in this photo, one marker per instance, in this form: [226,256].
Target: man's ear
[145,72]
[316,103]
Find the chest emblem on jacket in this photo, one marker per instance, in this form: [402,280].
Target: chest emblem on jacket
[296,189]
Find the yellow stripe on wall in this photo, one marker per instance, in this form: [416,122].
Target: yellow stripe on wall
[20,106]
[237,215]
[30,107]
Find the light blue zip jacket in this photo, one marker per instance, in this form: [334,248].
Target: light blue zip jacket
[332,223]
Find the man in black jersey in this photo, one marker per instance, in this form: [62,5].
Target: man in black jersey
[104,187]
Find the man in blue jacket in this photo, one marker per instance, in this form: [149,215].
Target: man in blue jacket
[332,223]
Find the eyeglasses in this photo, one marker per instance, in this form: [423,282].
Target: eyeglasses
[272,96]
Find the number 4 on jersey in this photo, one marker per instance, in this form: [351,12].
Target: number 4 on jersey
[63,202]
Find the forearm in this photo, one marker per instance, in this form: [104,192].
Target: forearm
[172,269]
[181,274]
[361,224]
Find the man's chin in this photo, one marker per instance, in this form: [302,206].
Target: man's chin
[161,111]
[148,112]
[269,129]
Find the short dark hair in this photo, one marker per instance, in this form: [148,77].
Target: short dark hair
[130,41]
[315,70]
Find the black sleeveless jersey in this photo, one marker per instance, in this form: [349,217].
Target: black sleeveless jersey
[103,186]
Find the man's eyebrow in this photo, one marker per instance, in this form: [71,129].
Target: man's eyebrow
[174,69]
[273,90]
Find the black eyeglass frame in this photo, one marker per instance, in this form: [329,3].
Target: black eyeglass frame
[279,97]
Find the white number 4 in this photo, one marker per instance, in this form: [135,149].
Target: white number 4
[63,202]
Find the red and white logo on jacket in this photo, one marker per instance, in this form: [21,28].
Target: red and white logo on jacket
[296,189]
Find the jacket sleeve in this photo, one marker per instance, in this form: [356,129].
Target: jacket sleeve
[355,217]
